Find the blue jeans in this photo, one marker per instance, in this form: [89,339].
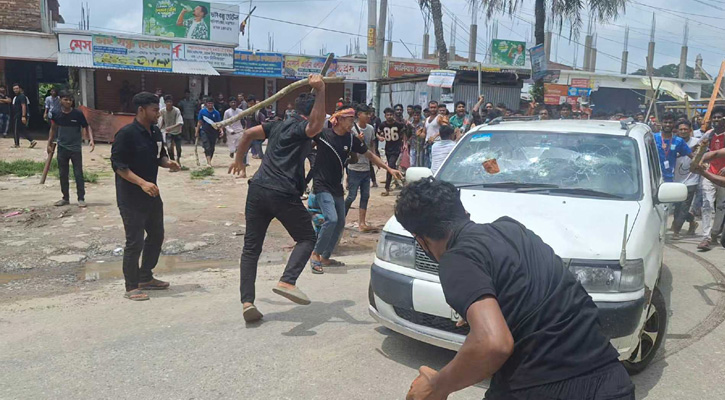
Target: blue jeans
[355,180]
[4,123]
[257,148]
[333,209]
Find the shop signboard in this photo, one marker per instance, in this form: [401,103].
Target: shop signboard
[217,57]
[555,94]
[441,78]
[199,20]
[352,70]
[250,63]
[140,55]
[77,44]
[508,52]
[539,65]
[397,69]
[581,83]
[578,91]
[300,67]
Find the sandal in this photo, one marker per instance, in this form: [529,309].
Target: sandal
[154,284]
[334,263]
[385,194]
[136,295]
[295,295]
[251,314]
[316,267]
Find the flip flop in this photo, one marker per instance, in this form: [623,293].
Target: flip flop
[251,314]
[316,267]
[295,295]
[369,229]
[136,295]
[334,263]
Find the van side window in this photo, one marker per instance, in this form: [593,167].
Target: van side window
[653,159]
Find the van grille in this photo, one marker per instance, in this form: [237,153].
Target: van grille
[431,321]
[423,262]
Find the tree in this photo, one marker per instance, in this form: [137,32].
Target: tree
[668,71]
[560,11]
[436,12]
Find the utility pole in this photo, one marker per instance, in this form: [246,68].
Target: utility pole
[249,28]
[625,51]
[452,48]
[683,52]
[474,33]
[651,48]
[389,44]
[372,63]
[593,56]
[588,47]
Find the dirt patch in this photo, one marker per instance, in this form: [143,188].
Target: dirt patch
[46,250]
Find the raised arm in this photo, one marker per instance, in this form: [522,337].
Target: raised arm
[316,120]
[180,20]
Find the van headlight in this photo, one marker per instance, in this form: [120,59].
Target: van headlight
[607,276]
[396,249]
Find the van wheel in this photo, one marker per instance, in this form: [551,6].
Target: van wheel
[650,339]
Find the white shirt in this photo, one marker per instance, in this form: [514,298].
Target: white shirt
[170,118]
[438,153]
[432,128]
[682,169]
[237,126]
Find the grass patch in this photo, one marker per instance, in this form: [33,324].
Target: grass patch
[202,173]
[30,168]
[184,168]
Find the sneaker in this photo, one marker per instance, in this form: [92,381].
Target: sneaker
[61,203]
[693,228]
[82,204]
[704,245]
[231,155]
[676,236]
[375,184]
[33,144]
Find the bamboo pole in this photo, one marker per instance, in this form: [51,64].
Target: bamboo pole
[705,142]
[47,163]
[262,104]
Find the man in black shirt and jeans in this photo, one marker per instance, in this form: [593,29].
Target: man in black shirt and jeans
[136,155]
[20,116]
[274,192]
[334,146]
[392,132]
[533,327]
[68,125]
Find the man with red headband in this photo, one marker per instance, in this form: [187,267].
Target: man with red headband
[334,147]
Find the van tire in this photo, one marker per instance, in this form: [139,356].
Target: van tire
[655,325]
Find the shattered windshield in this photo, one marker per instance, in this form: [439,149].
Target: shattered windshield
[584,164]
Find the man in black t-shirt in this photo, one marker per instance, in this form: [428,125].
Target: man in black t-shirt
[274,192]
[391,131]
[533,327]
[5,103]
[20,116]
[67,126]
[334,146]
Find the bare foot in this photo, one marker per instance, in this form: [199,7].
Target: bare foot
[285,285]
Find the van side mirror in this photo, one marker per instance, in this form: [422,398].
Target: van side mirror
[415,174]
[671,192]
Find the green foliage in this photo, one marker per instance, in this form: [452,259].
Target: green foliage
[668,71]
[29,168]
[202,173]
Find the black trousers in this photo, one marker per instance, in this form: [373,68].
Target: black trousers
[392,163]
[682,209]
[20,130]
[76,157]
[610,382]
[171,142]
[208,142]
[262,206]
[374,149]
[136,220]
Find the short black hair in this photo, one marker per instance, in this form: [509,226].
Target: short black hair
[417,108]
[208,99]
[433,102]
[168,97]
[65,93]
[487,103]
[565,106]
[426,110]
[388,110]
[718,110]
[234,99]
[430,208]
[362,108]
[669,116]
[460,102]
[409,106]
[446,132]
[398,105]
[501,105]
[144,99]
[17,84]
[304,103]
[204,10]
[684,122]
[251,97]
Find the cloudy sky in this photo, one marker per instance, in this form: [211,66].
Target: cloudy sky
[350,16]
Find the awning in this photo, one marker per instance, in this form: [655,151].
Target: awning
[178,67]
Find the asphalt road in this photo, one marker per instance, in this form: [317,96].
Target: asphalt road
[191,342]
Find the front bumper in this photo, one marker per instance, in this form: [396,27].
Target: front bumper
[417,308]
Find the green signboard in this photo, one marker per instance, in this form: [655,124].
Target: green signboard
[508,52]
[199,20]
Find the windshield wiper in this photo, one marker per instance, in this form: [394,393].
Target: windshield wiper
[509,185]
[576,191]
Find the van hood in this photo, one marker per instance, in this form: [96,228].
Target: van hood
[574,227]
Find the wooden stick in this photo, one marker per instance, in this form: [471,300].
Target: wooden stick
[286,90]
[705,142]
[47,164]
[653,100]
[196,151]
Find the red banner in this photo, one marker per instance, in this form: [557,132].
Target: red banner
[105,125]
[396,69]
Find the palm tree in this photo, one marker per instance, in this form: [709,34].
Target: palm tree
[561,11]
[436,12]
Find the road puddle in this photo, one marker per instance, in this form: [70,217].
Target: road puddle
[6,278]
[93,271]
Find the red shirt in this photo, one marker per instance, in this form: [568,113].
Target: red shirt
[717,142]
